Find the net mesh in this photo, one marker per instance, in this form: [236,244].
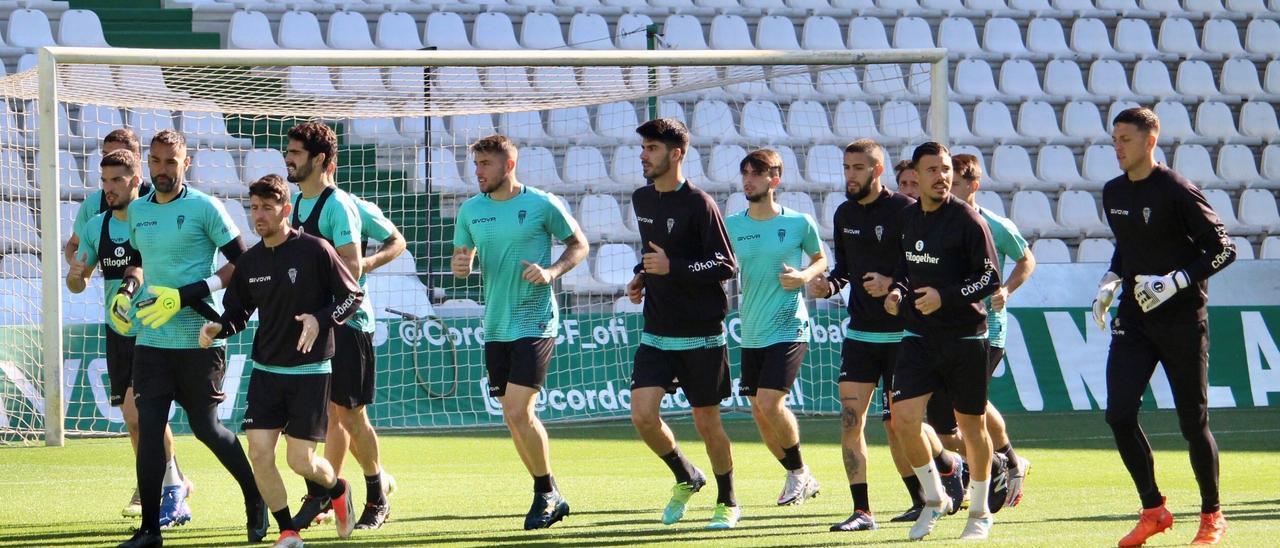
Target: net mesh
[403,134]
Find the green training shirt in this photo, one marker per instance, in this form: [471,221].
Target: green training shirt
[771,314]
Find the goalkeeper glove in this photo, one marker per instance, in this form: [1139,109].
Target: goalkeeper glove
[1153,291]
[1106,294]
[122,304]
[161,308]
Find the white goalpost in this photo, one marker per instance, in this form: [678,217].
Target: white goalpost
[404,120]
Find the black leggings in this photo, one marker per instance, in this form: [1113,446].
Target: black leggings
[1184,351]
[153,415]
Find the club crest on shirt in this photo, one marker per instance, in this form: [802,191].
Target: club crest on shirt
[1146,215]
[670,223]
[293,275]
[782,234]
[521,215]
[181,219]
[879,233]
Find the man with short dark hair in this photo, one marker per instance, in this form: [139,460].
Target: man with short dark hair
[904,174]
[301,290]
[947,269]
[687,258]
[1168,243]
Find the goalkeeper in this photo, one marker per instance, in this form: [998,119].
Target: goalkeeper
[1168,243]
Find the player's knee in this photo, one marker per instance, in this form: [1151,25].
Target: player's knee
[261,456]
[300,462]
[889,428]
[1193,424]
[771,403]
[1121,421]
[851,419]
[644,419]
[516,416]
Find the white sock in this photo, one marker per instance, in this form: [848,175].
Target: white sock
[799,471]
[172,476]
[978,498]
[930,481]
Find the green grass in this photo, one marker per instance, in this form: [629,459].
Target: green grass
[469,489]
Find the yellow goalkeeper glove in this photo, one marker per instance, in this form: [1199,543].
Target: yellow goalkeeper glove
[121,305]
[157,311]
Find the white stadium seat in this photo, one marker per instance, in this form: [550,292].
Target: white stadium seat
[1134,36]
[821,32]
[991,201]
[1214,120]
[1221,36]
[736,202]
[493,30]
[537,167]
[776,32]
[713,121]
[900,121]
[97,121]
[1095,250]
[397,30]
[993,120]
[683,32]
[631,30]
[823,166]
[81,28]
[310,82]
[1258,119]
[29,29]
[541,30]
[855,119]
[1089,37]
[250,30]
[1078,211]
[146,122]
[349,30]
[762,122]
[301,30]
[1107,77]
[1258,207]
[262,161]
[912,33]
[867,33]
[1195,77]
[445,30]
[1244,249]
[958,36]
[1001,35]
[1011,164]
[18,232]
[216,172]
[585,169]
[601,219]
[1082,119]
[729,32]
[1056,164]
[722,167]
[1262,36]
[571,123]
[830,202]
[1192,161]
[1050,251]
[1045,35]
[1018,78]
[1038,120]
[1063,77]
[589,31]
[1178,36]
[1220,201]
[974,78]
[808,120]
[1030,211]
[1270,248]
[1175,123]
[1151,77]
[14,182]
[614,264]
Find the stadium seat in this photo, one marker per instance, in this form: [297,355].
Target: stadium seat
[1258,119]
[821,32]
[1012,165]
[912,33]
[1270,248]
[460,308]
[20,265]
[798,201]
[729,32]
[304,82]
[692,166]
[1045,35]
[1001,35]
[97,121]
[1207,7]
[1151,77]
[585,171]
[808,120]
[1258,207]
[1062,77]
[1271,166]
[958,121]
[1221,203]
[29,29]
[993,121]
[1244,249]
[445,177]
[71,182]
[830,202]
[1107,77]
[250,30]
[713,122]
[1214,120]
[1196,78]
[1262,36]
[958,36]
[493,30]
[1252,7]
[776,32]
[672,109]
[991,201]
[1240,77]
[1051,251]
[867,33]
[735,203]
[722,173]
[238,217]
[1175,123]
[541,30]
[685,32]
[509,81]
[1095,250]
[1089,37]
[579,279]
[1221,36]
[842,82]
[216,172]
[601,219]
[631,30]
[349,30]
[589,31]
[823,165]
[261,161]
[884,80]
[1030,211]
[1192,161]
[1271,80]
[1018,78]
[616,120]
[362,82]
[14,182]
[1037,119]
[1134,36]
[1082,120]
[1178,36]
[81,28]
[762,122]
[571,124]
[18,232]
[1078,211]
[401,292]
[396,30]
[854,120]
[614,264]
[900,122]
[446,31]
[146,122]
[301,30]
[1056,165]
[376,129]
[974,79]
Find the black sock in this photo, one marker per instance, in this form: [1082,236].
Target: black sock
[791,458]
[680,466]
[943,464]
[724,489]
[284,520]
[1007,451]
[543,484]
[339,488]
[373,489]
[860,501]
[913,487]
[153,415]
[316,490]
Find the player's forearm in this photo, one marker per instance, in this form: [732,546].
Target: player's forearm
[1021,272]
[350,255]
[391,248]
[340,310]
[575,251]
[69,249]
[816,267]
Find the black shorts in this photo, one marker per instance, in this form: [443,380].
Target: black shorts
[522,361]
[703,373]
[774,367]
[995,355]
[119,365]
[297,404]
[958,366]
[940,413]
[190,376]
[353,367]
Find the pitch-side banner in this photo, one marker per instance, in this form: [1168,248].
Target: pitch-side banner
[431,372]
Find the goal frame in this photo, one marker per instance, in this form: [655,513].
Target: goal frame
[49,58]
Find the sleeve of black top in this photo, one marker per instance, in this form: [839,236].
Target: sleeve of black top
[718,262]
[1206,230]
[233,249]
[839,276]
[346,291]
[237,305]
[983,278]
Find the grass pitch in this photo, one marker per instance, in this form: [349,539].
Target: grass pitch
[469,489]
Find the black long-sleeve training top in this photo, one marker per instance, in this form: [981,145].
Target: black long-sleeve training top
[1162,224]
[950,250]
[867,239]
[302,275]
[690,300]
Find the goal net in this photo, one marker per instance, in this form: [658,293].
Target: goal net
[404,121]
